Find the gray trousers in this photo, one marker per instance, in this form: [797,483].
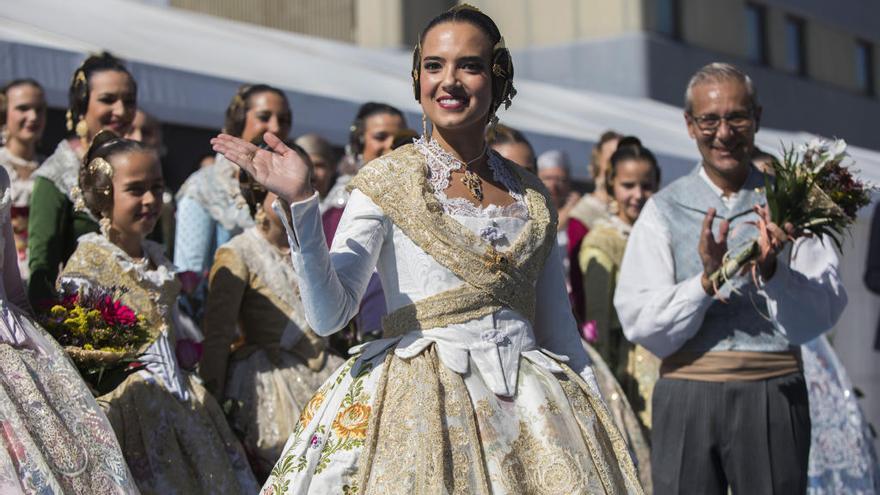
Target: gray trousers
[750,436]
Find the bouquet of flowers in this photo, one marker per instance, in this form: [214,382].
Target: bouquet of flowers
[813,192]
[101,335]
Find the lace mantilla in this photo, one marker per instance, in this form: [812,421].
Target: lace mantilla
[441,164]
[62,169]
[216,190]
[11,162]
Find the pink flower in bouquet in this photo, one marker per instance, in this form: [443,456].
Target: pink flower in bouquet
[590,332]
[189,281]
[188,353]
[115,313]
[69,300]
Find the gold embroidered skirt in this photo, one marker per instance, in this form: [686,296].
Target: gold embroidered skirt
[624,417]
[413,426]
[174,446]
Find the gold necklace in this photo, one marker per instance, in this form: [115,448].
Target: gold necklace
[472,180]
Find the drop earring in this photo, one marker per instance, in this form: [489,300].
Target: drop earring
[82,129]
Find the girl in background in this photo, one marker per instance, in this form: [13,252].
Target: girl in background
[173,433]
[22,122]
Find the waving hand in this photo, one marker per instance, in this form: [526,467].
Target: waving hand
[280,170]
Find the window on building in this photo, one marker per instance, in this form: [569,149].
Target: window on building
[865,67]
[756,32]
[668,18]
[795,46]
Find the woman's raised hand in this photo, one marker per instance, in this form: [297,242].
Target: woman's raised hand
[280,170]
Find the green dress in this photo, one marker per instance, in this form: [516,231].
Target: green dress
[54,225]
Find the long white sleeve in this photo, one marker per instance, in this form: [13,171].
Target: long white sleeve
[332,282]
[654,310]
[805,296]
[555,326]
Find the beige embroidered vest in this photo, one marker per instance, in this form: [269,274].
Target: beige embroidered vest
[398,184]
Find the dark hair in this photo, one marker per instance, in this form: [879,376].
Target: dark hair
[630,148]
[4,94]
[358,126]
[403,137]
[502,134]
[236,112]
[501,62]
[255,193]
[78,94]
[95,183]
[609,135]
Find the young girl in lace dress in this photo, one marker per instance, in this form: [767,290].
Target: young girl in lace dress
[270,377]
[54,438]
[479,384]
[172,432]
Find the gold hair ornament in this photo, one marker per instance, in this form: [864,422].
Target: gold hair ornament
[79,77]
[105,224]
[101,165]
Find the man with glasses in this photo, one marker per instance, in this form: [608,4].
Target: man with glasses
[730,408]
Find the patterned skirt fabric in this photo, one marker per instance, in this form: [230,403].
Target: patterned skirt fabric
[54,439]
[174,446]
[269,389]
[842,456]
[624,417]
[412,426]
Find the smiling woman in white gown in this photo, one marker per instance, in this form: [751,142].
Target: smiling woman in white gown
[480,384]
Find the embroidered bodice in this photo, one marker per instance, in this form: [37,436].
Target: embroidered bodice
[493,340]
[441,164]
[151,289]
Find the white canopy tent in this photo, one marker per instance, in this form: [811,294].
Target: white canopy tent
[188,65]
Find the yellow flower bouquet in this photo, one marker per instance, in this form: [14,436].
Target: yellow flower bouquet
[99,333]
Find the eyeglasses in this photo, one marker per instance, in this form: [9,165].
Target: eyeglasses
[711,122]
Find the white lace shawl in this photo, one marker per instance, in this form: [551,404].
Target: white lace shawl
[62,170]
[215,189]
[441,164]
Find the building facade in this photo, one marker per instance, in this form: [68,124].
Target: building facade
[816,63]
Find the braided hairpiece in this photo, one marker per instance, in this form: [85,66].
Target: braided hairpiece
[502,69]
[94,192]
[76,85]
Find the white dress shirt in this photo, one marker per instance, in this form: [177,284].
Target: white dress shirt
[804,296]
